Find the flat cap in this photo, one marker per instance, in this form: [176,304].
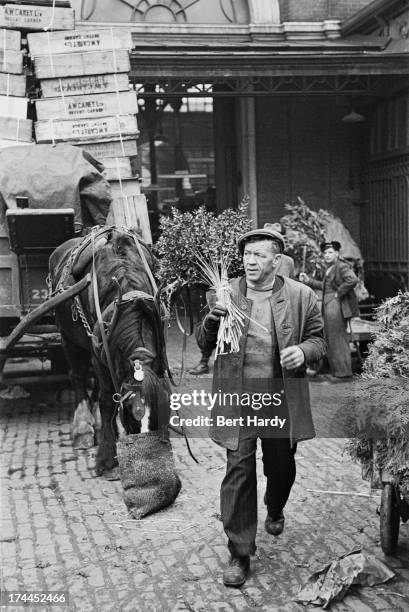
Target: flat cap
[334,244]
[268,231]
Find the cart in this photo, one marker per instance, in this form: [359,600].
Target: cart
[394,507]
[27,238]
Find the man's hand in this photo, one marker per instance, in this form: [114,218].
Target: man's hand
[304,278]
[216,313]
[292,357]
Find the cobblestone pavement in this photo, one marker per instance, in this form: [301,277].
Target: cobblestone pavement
[65,529]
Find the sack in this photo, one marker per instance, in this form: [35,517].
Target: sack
[147,472]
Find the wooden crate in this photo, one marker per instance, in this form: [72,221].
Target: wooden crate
[113,148]
[5,144]
[128,187]
[132,212]
[18,130]
[11,61]
[77,41]
[10,40]
[11,106]
[85,85]
[94,105]
[81,64]
[12,85]
[30,17]
[117,168]
[101,128]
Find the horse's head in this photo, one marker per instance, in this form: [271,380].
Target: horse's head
[135,334]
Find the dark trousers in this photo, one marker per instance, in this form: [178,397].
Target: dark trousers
[238,495]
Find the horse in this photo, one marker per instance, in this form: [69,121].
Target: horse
[113,328]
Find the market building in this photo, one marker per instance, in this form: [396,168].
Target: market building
[276,99]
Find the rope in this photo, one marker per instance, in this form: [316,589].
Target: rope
[4,51]
[50,25]
[50,55]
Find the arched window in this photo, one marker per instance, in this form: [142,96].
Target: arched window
[177,11]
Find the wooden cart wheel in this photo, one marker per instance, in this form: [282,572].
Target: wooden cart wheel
[389,519]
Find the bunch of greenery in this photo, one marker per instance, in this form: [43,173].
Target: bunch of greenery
[187,236]
[305,230]
[382,422]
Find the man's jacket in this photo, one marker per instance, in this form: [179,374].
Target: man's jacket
[297,321]
[342,280]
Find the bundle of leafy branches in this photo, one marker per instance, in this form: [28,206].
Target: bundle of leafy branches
[187,236]
[382,397]
[305,230]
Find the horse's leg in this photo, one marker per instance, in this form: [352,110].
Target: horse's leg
[106,461]
[83,423]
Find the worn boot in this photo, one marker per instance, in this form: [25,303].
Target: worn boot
[274,526]
[201,368]
[236,572]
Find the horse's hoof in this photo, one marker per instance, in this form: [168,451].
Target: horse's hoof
[112,474]
[83,441]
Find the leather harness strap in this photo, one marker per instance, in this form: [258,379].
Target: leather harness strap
[101,322]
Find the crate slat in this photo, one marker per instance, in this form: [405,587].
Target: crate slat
[131,211]
[77,41]
[94,105]
[117,167]
[35,17]
[60,130]
[11,106]
[11,61]
[10,40]
[12,85]
[81,64]
[84,85]
[113,148]
[18,130]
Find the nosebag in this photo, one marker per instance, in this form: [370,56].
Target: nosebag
[147,472]
[331,583]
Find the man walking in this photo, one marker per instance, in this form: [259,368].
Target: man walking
[285,268]
[283,332]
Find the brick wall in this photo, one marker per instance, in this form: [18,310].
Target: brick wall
[318,10]
[304,149]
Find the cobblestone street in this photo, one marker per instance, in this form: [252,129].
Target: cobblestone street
[65,529]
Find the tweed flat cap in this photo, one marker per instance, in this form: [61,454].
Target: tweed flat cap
[268,231]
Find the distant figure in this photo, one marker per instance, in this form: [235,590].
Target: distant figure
[339,304]
[285,268]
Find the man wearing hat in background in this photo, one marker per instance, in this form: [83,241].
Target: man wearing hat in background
[339,304]
[283,332]
[285,268]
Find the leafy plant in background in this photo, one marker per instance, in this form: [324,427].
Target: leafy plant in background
[305,230]
[186,235]
[386,395]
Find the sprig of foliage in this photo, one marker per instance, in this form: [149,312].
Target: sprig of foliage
[184,236]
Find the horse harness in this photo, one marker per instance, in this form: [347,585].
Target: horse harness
[80,256]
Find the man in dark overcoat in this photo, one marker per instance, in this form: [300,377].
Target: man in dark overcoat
[282,334]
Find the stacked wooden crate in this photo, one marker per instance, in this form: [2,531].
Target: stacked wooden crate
[17,17]
[86,99]
[15,128]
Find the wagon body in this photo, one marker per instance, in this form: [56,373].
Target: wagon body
[27,238]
